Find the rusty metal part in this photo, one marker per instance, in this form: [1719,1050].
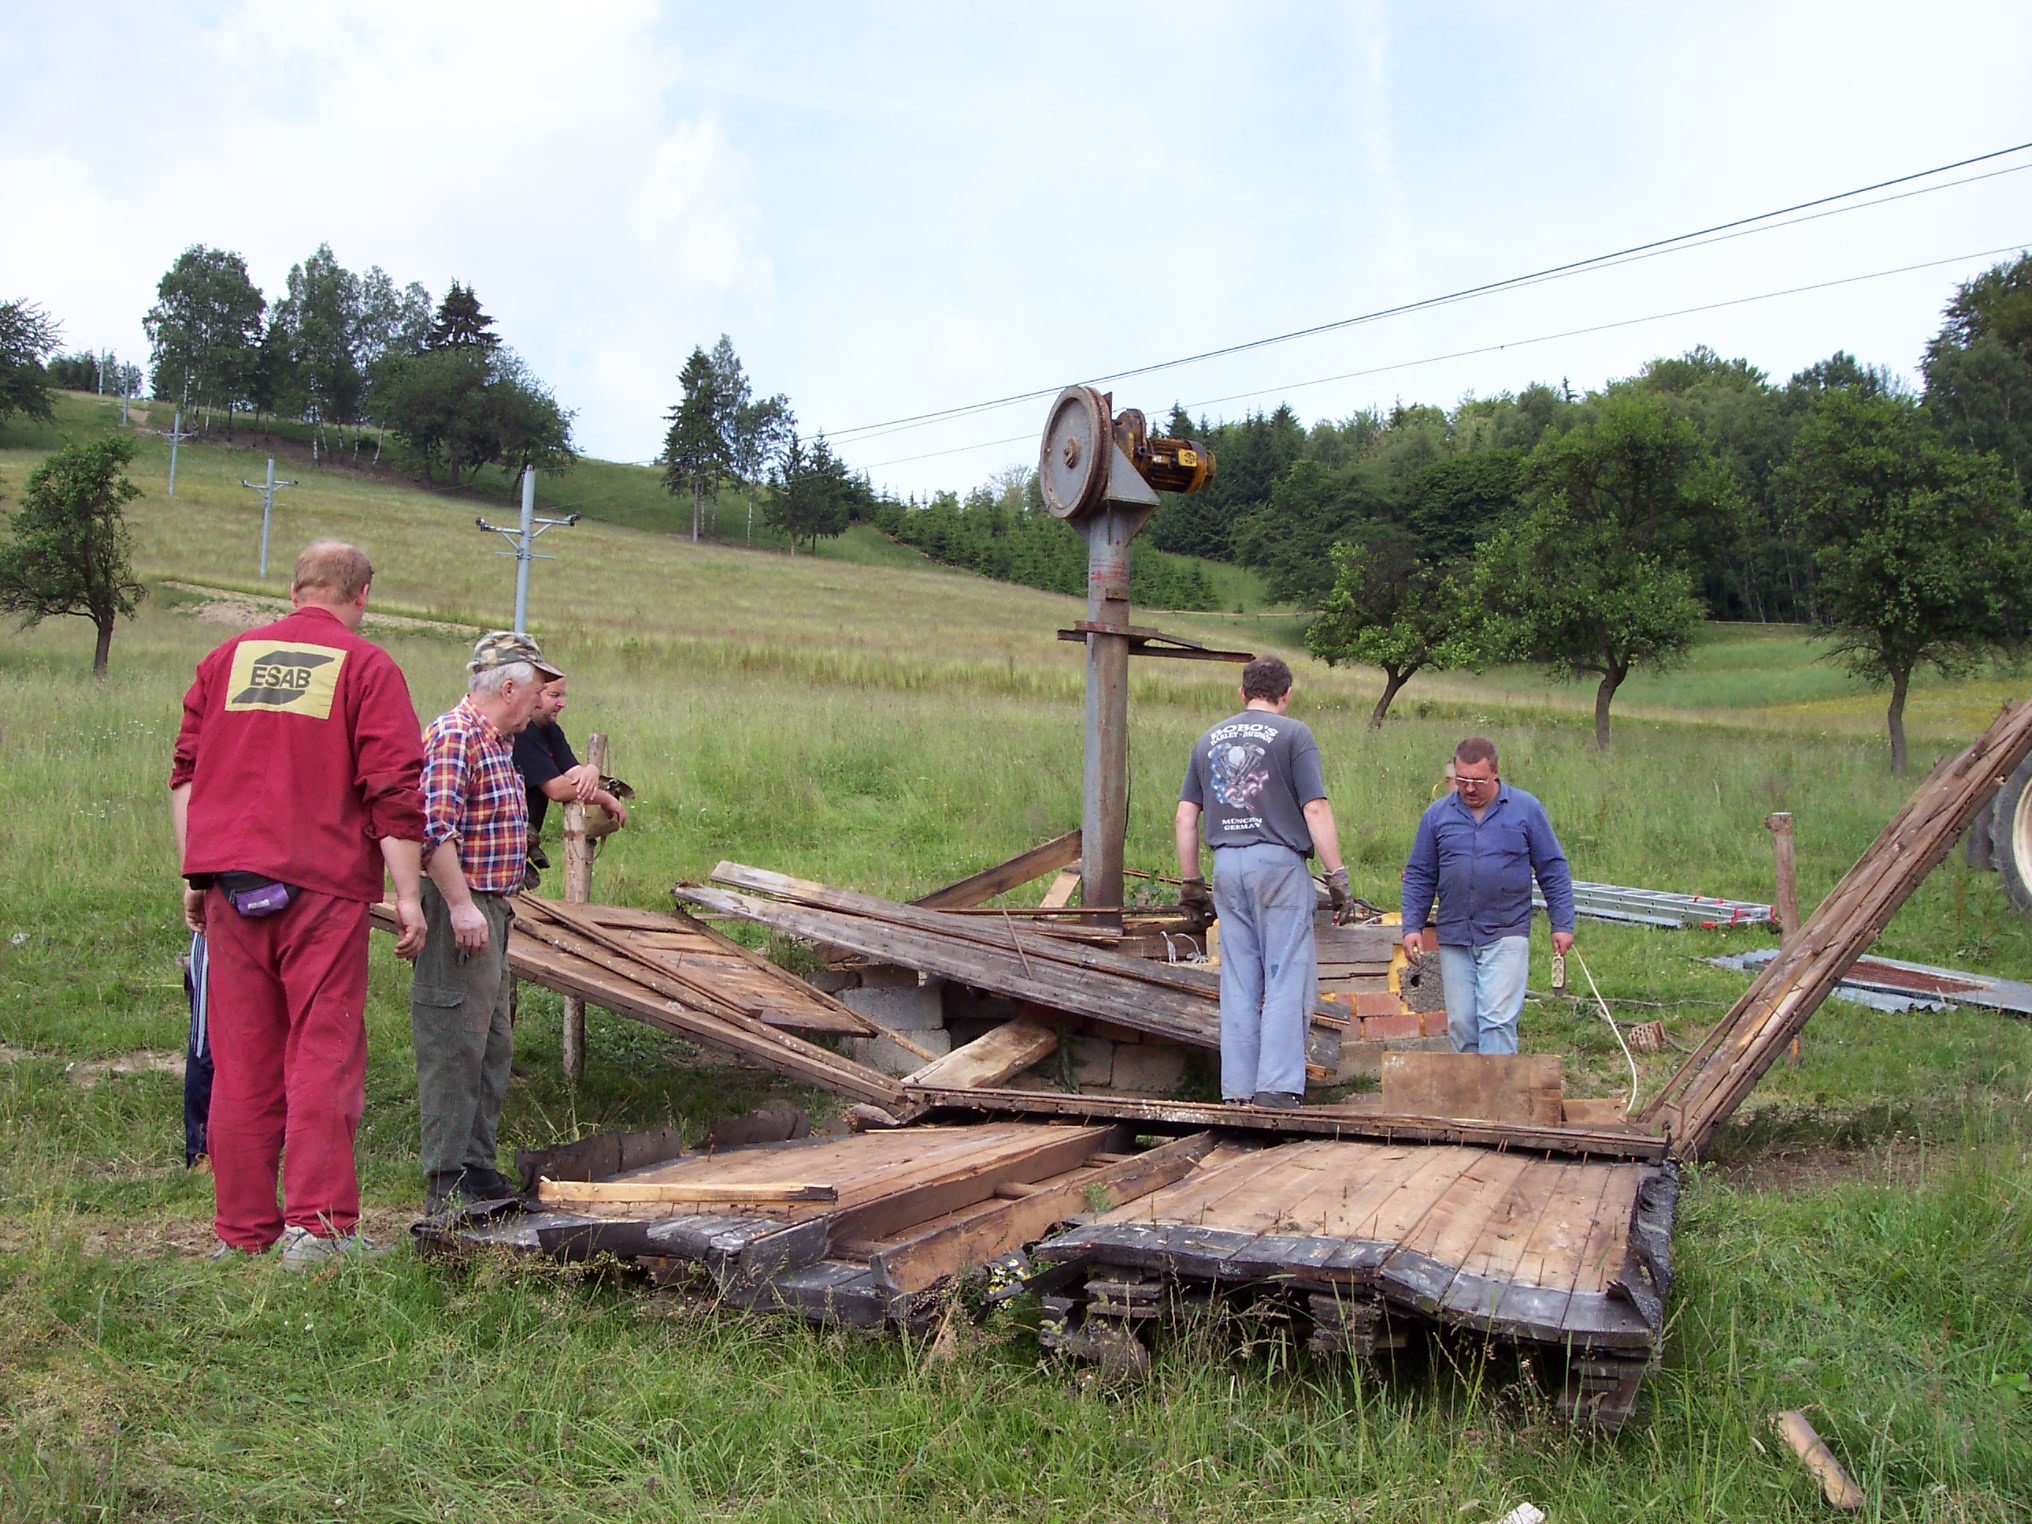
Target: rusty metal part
[1075,457]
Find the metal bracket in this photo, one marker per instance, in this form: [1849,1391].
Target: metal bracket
[1142,642]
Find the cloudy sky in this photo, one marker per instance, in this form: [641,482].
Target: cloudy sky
[903,208]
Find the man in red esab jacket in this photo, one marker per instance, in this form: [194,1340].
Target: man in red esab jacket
[295,785]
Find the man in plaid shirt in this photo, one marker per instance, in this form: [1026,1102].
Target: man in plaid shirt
[476,817]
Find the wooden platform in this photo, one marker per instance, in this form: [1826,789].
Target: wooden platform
[1360,1243]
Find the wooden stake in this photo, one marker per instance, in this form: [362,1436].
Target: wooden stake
[1836,1485]
[1787,873]
[578,890]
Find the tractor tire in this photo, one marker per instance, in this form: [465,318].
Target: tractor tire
[2011,837]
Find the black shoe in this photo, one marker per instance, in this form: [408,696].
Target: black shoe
[488,1185]
[448,1188]
[1278,1100]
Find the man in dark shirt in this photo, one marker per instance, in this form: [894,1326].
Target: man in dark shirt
[544,758]
[1255,780]
[1478,849]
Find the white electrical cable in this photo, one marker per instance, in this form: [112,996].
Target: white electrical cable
[1631,1108]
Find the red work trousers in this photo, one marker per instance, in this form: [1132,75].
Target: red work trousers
[288,1000]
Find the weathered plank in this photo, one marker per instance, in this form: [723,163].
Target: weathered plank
[1509,1087]
[647,1193]
[990,1058]
[923,1260]
[979,888]
[1379,1126]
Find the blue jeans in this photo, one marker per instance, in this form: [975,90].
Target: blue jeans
[1485,993]
[1269,968]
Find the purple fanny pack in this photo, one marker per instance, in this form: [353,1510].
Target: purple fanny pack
[254,896]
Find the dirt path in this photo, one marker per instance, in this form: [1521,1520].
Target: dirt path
[243,611]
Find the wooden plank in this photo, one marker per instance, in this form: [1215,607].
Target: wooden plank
[1176,1001]
[1512,1087]
[979,888]
[689,1193]
[1500,1249]
[1062,889]
[921,1261]
[1315,1121]
[964,1182]
[1746,1042]
[566,974]
[990,1058]
[772,991]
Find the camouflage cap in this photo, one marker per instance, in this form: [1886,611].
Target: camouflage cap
[502,648]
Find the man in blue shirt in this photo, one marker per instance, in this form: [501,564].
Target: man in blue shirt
[1478,849]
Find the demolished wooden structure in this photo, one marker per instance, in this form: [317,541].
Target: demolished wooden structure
[1355,1225]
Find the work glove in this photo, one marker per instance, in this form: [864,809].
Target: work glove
[1197,901]
[1337,892]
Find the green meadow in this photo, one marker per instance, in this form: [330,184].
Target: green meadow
[1858,1246]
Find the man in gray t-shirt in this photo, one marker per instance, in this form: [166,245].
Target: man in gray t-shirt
[1255,782]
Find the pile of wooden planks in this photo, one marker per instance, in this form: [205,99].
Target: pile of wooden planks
[1177,1001]
[675,973]
[853,1228]
[1712,1083]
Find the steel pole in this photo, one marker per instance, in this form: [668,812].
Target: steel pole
[1104,803]
[267,503]
[522,549]
[175,431]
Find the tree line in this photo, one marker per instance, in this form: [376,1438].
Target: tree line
[1591,534]
[337,350]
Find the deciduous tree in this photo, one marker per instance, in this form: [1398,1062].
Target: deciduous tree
[1979,366]
[1922,552]
[204,330]
[1594,576]
[70,551]
[27,333]
[1392,608]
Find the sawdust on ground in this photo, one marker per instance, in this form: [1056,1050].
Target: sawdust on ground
[186,1237]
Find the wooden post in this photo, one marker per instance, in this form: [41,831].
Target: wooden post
[1780,827]
[578,890]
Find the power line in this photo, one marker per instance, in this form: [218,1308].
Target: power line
[1485,349]
[1571,267]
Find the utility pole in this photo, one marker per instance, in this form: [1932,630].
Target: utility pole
[523,539]
[176,435]
[267,491]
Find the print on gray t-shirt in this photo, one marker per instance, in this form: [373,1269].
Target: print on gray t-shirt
[1252,776]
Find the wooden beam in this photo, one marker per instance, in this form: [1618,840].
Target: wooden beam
[678,1193]
[978,888]
[1738,1050]
[989,1059]
[967,1181]
[1306,1121]
[920,1262]
[1062,889]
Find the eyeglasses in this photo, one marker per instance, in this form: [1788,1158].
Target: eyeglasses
[1476,782]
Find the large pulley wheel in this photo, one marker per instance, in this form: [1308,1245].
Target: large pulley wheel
[1072,465]
[2011,837]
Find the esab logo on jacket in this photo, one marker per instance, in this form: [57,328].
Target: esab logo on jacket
[285,676]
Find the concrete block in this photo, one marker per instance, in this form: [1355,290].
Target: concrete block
[916,1008]
[881,1053]
[1149,1069]
[1093,1060]
[833,980]
[889,976]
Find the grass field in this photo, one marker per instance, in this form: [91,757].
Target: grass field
[1859,1246]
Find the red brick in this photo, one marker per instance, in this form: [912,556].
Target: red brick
[1375,1028]
[1378,1003]
[1435,1023]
